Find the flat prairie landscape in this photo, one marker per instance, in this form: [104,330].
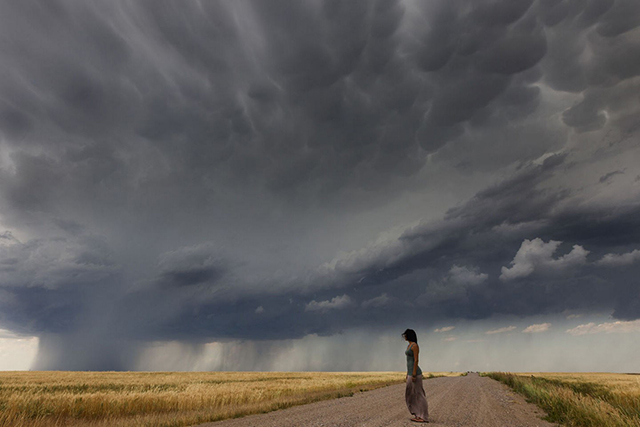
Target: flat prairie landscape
[92,399]
[580,399]
[60,398]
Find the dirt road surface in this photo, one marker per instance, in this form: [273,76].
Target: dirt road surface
[470,401]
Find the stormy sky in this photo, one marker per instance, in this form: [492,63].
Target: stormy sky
[289,184]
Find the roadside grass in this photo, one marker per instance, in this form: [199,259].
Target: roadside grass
[168,399]
[580,399]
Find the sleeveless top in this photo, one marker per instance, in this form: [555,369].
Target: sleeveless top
[410,361]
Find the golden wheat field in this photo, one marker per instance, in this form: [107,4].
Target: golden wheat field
[45,399]
[581,399]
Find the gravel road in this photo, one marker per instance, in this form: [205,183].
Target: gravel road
[470,401]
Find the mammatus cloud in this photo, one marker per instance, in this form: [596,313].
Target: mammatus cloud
[336,303]
[607,327]
[539,327]
[500,330]
[618,260]
[537,255]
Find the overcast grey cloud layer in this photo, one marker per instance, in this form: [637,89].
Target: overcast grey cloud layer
[219,170]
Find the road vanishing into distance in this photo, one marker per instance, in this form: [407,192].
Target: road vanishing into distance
[469,401]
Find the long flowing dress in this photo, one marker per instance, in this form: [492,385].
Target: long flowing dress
[414,393]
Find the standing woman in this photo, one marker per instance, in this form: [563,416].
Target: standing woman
[414,393]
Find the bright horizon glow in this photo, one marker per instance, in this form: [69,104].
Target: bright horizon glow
[17,353]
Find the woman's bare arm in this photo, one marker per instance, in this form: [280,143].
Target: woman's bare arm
[416,350]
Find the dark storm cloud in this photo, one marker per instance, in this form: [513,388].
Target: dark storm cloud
[53,285]
[193,136]
[344,89]
[494,254]
[189,266]
[54,263]
[492,231]
[300,98]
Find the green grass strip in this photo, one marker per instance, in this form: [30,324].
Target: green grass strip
[575,404]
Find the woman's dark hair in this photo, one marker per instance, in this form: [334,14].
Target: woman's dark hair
[411,335]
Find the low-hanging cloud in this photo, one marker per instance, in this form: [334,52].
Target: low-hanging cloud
[378,301]
[617,260]
[536,328]
[536,254]
[607,327]
[501,330]
[336,303]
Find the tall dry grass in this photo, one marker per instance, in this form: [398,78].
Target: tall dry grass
[96,399]
[581,399]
